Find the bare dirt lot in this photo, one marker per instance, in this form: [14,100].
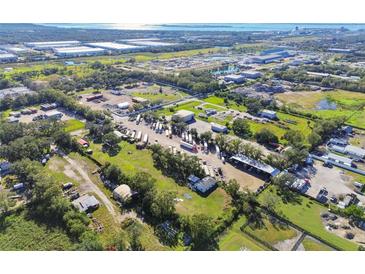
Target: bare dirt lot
[28,118]
[109,101]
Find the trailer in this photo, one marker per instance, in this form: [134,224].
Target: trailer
[157,127]
[170,133]
[139,136]
[183,136]
[160,128]
[153,126]
[133,134]
[167,133]
[174,150]
[188,146]
[138,119]
[206,170]
[145,138]
[206,147]
[217,150]
[190,138]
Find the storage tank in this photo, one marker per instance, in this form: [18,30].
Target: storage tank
[123,105]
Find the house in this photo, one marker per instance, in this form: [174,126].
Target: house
[184,115]
[4,168]
[269,114]
[83,143]
[206,185]
[123,193]
[86,203]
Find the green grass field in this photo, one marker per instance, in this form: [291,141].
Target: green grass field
[131,160]
[348,104]
[312,245]
[234,239]
[18,233]
[73,125]
[272,233]
[306,214]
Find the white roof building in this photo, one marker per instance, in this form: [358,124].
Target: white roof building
[51,44]
[122,193]
[183,114]
[78,51]
[113,46]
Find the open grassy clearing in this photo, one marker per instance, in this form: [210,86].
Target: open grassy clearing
[220,102]
[58,169]
[73,125]
[18,233]
[306,214]
[271,232]
[348,104]
[234,239]
[131,160]
[312,245]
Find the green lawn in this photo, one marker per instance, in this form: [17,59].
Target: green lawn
[73,125]
[272,233]
[18,233]
[55,167]
[306,214]
[234,239]
[313,245]
[220,102]
[141,160]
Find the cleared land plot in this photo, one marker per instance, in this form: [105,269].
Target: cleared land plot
[310,244]
[346,103]
[131,160]
[275,233]
[234,239]
[220,102]
[306,214]
[73,125]
[18,233]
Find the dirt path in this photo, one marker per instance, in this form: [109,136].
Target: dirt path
[88,186]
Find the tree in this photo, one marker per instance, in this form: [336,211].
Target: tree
[5,203]
[201,230]
[111,140]
[206,136]
[354,211]
[89,241]
[294,137]
[163,205]
[266,137]
[119,241]
[241,128]
[314,139]
[295,156]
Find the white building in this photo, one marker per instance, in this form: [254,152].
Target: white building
[183,114]
[8,58]
[51,44]
[218,128]
[123,105]
[114,46]
[269,114]
[122,193]
[238,79]
[78,51]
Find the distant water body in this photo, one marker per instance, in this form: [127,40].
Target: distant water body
[210,27]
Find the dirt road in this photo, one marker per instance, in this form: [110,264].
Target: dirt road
[87,185]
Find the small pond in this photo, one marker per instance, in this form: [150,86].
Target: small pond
[326,105]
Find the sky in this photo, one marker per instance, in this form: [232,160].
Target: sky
[182,11]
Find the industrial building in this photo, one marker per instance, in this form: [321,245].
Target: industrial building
[114,46]
[46,107]
[15,92]
[54,114]
[251,74]
[258,166]
[51,45]
[78,51]
[237,79]
[269,114]
[266,59]
[218,128]
[339,50]
[184,115]
[8,58]
[149,42]
[339,159]
[203,186]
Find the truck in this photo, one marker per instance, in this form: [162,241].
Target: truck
[188,146]
[205,147]
[190,138]
[157,127]
[139,136]
[183,136]
[160,128]
[133,134]
[138,119]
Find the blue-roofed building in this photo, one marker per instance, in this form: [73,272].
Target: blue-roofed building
[192,180]
[205,186]
[4,168]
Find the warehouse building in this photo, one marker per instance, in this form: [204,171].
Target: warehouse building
[251,74]
[184,115]
[266,59]
[8,58]
[269,114]
[218,128]
[15,92]
[78,51]
[235,78]
[51,45]
[339,159]
[114,46]
[256,165]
